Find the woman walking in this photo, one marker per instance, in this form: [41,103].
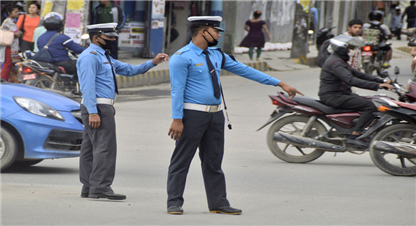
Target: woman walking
[27,23]
[7,51]
[255,37]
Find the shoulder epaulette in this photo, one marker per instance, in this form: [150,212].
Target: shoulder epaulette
[184,49]
[93,52]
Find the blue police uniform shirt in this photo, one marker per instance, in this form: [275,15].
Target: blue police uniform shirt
[95,76]
[192,83]
[57,48]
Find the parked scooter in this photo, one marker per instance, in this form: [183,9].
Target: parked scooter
[322,35]
[304,128]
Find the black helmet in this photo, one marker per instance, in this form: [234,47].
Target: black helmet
[376,15]
[53,24]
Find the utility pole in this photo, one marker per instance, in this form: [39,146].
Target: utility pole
[300,33]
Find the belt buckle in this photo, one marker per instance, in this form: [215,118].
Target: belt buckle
[213,108]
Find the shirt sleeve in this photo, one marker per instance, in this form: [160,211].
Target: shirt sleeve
[70,44]
[20,22]
[245,71]
[87,67]
[341,71]
[178,71]
[131,70]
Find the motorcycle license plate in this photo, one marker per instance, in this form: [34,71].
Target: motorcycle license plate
[29,76]
[367,53]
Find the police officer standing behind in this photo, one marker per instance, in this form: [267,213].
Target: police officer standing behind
[97,71]
[198,120]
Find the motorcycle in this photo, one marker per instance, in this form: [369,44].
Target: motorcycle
[393,149]
[49,77]
[304,128]
[373,57]
[322,35]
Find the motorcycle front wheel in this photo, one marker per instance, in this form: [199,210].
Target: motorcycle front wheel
[294,125]
[391,163]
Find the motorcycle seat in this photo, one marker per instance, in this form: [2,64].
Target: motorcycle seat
[315,103]
[49,66]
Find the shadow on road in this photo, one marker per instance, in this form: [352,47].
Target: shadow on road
[39,170]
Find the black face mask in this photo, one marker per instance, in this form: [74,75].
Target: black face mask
[109,44]
[343,53]
[213,43]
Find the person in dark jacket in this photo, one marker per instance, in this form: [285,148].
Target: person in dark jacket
[109,12]
[58,47]
[337,77]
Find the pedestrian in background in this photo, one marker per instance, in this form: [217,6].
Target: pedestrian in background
[108,12]
[198,119]
[410,13]
[97,77]
[395,23]
[27,23]
[8,54]
[255,36]
[355,26]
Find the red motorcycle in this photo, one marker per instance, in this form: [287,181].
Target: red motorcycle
[304,128]
[393,149]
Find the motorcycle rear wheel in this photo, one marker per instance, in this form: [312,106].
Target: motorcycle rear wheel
[392,163]
[294,125]
[44,82]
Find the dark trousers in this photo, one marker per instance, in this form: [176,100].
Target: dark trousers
[356,103]
[98,151]
[206,131]
[25,45]
[397,32]
[69,65]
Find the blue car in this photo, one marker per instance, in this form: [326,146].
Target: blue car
[36,125]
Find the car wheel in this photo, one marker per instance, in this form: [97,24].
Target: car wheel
[8,148]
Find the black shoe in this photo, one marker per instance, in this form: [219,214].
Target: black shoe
[177,210]
[356,142]
[107,195]
[84,194]
[226,210]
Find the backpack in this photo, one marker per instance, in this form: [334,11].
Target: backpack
[374,34]
[323,53]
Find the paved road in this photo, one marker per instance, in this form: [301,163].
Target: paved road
[343,190]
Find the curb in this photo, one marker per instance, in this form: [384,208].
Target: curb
[161,76]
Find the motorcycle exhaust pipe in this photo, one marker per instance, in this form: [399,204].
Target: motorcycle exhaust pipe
[306,142]
[402,149]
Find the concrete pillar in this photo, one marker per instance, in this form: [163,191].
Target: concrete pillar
[229,19]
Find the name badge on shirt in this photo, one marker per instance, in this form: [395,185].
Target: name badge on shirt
[199,64]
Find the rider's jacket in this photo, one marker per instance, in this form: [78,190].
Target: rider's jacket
[58,47]
[337,77]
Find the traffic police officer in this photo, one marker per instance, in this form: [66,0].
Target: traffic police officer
[198,120]
[97,77]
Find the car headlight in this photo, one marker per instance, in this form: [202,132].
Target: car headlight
[38,108]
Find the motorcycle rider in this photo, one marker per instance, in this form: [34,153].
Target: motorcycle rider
[376,22]
[58,47]
[336,79]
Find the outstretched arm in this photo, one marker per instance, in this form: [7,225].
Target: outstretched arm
[289,90]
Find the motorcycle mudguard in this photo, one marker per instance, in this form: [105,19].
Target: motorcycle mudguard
[274,116]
